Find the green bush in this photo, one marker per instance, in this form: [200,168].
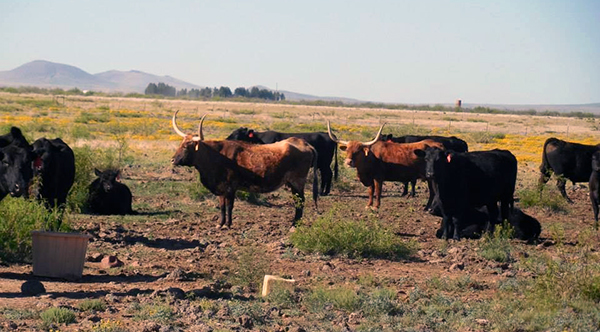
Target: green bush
[57,316]
[250,267]
[497,246]
[92,305]
[341,298]
[333,234]
[18,217]
[546,199]
[84,170]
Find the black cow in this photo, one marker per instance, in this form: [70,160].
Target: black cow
[568,160]
[108,196]
[14,137]
[525,227]
[54,163]
[452,143]
[15,164]
[326,149]
[595,185]
[471,179]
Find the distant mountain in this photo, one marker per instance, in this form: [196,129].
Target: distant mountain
[49,74]
[137,81]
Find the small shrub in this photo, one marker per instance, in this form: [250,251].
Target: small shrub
[87,117]
[333,234]
[19,314]
[80,131]
[549,200]
[497,246]
[341,298]
[161,313]
[250,267]
[84,170]
[18,217]
[92,305]
[380,302]
[57,316]
[282,297]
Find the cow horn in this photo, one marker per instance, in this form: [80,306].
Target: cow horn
[332,136]
[179,132]
[200,134]
[376,137]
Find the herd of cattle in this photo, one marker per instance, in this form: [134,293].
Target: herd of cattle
[46,169]
[471,191]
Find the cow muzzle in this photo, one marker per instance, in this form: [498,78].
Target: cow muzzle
[349,163]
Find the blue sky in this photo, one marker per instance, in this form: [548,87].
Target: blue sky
[505,52]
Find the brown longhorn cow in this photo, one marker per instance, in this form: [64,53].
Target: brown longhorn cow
[377,161]
[228,166]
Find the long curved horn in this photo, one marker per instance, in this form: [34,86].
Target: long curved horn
[200,134]
[179,132]
[376,137]
[333,138]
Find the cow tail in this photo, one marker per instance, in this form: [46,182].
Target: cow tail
[315,179]
[335,166]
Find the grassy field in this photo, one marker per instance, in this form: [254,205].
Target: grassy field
[355,269]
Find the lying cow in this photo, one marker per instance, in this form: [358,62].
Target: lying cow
[106,195]
[572,161]
[452,143]
[325,147]
[227,166]
[378,161]
[470,180]
[525,227]
[15,164]
[54,163]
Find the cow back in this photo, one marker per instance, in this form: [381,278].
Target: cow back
[572,160]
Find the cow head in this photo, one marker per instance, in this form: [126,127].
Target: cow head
[246,135]
[436,160]
[183,155]
[15,169]
[108,178]
[41,154]
[14,137]
[354,149]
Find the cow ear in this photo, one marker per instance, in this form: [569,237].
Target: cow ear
[343,147]
[419,153]
[97,172]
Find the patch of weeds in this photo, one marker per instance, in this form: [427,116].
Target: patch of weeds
[19,314]
[79,131]
[161,313]
[252,198]
[340,298]
[550,200]
[89,117]
[244,112]
[334,234]
[57,316]
[250,266]
[109,325]
[497,247]
[249,308]
[557,233]
[485,137]
[281,126]
[282,297]
[380,302]
[91,305]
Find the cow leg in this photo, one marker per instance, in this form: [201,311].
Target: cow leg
[326,177]
[446,221]
[230,199]
[594,199]
[405,191]
[298,203]
[370,196]
[223,206]
[560,184]
[414,186]
[492,217]
[378,186]
[431,195]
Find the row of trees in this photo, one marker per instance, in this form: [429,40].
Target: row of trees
[222,92]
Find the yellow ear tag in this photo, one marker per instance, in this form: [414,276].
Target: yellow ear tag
[197,145]
[366,151]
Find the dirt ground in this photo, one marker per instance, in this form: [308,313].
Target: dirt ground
[167,251]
